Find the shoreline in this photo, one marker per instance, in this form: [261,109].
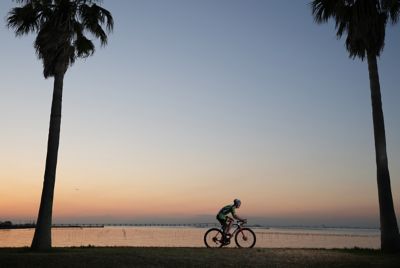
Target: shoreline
[32,226]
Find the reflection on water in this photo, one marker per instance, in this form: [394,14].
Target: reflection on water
[193,237]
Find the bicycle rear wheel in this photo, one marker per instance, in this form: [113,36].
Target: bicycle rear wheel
[245,238]
[213,238]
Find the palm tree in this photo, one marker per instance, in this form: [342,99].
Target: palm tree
[364,24]
[61,26]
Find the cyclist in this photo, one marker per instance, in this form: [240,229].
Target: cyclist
[225,220]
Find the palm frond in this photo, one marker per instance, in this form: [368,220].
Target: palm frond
[61,26]
[362,21]
[323,10]
[93,17]
[106,18]
[83,47]
[393,8]
[23,19]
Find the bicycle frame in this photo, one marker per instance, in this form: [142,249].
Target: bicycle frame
[237,226]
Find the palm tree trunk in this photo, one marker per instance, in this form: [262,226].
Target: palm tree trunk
[42,237]
[390,238]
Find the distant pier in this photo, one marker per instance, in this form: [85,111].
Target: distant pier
[9,225]
[196,225]
[78,226]
[32,225]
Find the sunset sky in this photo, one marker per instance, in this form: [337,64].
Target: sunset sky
[194,103]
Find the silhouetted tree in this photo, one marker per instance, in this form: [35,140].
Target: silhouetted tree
[61,27]
[363,22]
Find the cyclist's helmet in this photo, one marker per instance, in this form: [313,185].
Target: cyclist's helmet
[237,203]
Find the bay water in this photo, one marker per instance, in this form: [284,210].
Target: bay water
[134,236]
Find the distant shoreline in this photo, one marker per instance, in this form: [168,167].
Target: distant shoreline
[31,226]
[9,225]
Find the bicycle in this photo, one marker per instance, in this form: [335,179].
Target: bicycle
[244,236]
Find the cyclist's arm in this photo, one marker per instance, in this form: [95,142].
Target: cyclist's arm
[237,217]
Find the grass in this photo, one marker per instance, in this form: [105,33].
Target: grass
[195,257]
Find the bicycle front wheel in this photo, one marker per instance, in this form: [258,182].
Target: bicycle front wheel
[213,238]
[245,238]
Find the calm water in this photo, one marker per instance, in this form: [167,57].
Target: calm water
[193,237]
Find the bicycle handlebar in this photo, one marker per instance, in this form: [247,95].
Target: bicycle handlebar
[239,222]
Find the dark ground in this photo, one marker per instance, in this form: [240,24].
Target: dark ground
[196,257]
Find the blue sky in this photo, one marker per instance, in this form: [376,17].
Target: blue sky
[194,103]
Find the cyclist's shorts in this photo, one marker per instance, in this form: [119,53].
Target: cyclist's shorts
[222,221]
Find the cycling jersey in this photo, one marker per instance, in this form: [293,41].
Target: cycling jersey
[222,214]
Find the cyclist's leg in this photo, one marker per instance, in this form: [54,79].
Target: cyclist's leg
[223,224]
[228,225]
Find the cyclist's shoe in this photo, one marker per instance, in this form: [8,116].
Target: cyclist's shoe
[226,239]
